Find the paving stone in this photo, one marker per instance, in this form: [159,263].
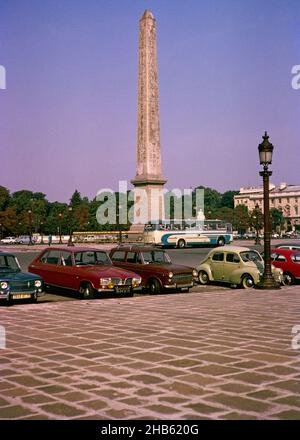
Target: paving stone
[292,400]
[216,370]
[288,415]
[202,408]
[14,412]
[254,378]
[162,409]
[240,403]
[263,394]
[61,409]
[94,404]
[27,381]
[237,388]
[37,399]
[289,385]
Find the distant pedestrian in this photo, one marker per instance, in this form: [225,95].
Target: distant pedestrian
[49,240]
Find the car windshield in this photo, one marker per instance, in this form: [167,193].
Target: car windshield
[9,263]
[158,257]
[250,256]
[91,258]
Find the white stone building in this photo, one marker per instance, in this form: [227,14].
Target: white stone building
[283,196]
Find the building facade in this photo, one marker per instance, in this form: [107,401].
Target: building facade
[283,197]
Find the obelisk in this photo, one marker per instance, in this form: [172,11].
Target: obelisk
[148,181]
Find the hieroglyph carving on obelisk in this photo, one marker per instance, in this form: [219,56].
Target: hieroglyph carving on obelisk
[148,179]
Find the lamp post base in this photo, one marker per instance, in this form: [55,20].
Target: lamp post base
[267,283]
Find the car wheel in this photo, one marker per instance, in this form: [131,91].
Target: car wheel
[181,244]
[221,241]
[247,282]
[154,286]
[87,291]
[288,279]
[203,277]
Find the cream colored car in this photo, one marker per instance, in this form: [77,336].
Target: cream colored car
[238,266]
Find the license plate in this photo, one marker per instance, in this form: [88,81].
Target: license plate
[21,296]
[123,289]
[184,285]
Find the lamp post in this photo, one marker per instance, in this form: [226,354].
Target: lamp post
[41,232]
[70,242]
[119,227]
[30,227]
[1,231]
[60,219]
[265,150]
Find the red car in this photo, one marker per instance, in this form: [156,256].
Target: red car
[155,268]
[289,261]
[85,270]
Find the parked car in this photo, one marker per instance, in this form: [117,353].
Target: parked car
[85,270]
[293,246]
[15,284]
[289,261]
[155,268]
[8,240]
[25,239]
[237,266]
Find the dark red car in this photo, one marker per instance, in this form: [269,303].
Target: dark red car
[289,261]
[155,267]
[85,270]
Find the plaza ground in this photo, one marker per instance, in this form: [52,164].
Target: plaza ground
[218,354]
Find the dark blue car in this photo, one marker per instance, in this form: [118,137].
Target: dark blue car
[15,284]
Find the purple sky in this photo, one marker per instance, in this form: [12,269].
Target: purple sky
[68,115]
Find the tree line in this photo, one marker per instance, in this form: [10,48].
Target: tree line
[25,210]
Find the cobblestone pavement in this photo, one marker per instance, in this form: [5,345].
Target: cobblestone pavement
[219,355]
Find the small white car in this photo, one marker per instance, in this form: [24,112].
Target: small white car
[8,240]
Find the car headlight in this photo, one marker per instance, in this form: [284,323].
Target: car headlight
[4,285]
[171,274]
[136,281]
[37,283]
[107,282]
[195,273]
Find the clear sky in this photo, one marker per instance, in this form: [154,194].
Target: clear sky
[68,115]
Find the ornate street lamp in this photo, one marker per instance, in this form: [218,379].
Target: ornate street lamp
[265,150]
[60,218]
[30,227]
[70,242]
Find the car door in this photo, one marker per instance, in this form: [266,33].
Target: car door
[217,265]
[66,272]
[47,267]
[231,263]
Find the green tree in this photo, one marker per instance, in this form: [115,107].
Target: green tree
[4,198]
[277,219]
[75,200]
[227,199]
[241,219]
